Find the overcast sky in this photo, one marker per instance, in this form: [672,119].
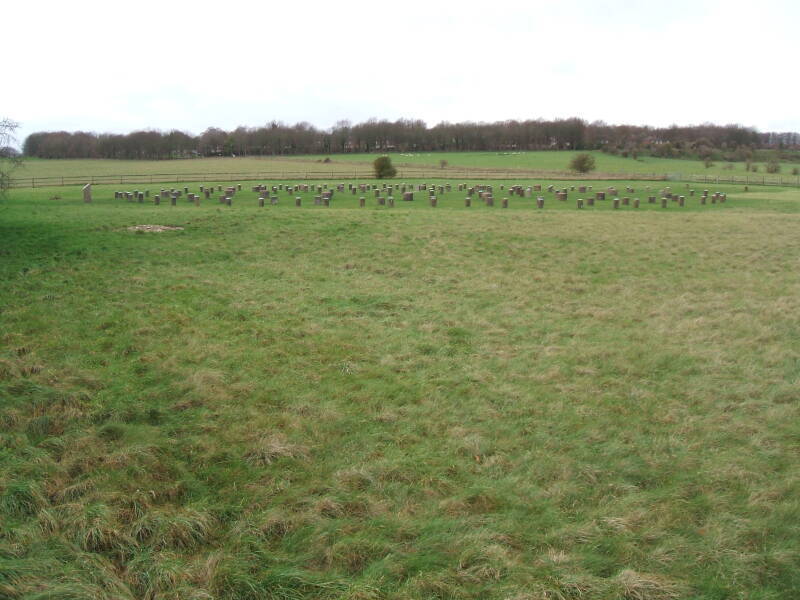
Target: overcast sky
[118,67]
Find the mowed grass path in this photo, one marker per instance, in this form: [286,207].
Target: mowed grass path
[399,403]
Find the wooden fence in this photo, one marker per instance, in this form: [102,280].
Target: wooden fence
[749,179]
[452,174]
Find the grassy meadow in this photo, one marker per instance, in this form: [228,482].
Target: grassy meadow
[223,167]
[399,403]
[351,166]
[554,161]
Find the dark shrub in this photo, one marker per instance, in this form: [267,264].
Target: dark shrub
[383,168]
[582,163]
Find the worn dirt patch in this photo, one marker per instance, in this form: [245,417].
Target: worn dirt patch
[155,228]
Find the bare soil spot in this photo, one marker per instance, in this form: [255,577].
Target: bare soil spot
[155,228]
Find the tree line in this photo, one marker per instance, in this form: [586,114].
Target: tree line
[721,142]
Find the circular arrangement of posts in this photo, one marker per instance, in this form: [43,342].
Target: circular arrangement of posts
[384,194]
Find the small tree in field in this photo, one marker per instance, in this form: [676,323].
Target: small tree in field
[582,163]
[773,166]
[383,168]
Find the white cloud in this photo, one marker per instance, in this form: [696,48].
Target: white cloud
[188,65]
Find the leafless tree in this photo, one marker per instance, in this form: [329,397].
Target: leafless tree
[8,160]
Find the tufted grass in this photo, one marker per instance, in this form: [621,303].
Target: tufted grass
[399,403]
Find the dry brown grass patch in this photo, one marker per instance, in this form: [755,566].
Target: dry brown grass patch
[273,447]
[643,586]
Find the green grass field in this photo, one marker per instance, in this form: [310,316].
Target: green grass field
[550,161]
[270,167]
[406,403]
[358,165]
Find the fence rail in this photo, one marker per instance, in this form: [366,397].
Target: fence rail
[402,173]
[740,179]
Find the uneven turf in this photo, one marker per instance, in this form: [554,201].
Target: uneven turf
[399,403]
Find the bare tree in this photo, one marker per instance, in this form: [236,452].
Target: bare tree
[8,160]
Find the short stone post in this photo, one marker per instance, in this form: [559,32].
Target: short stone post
[87,193]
